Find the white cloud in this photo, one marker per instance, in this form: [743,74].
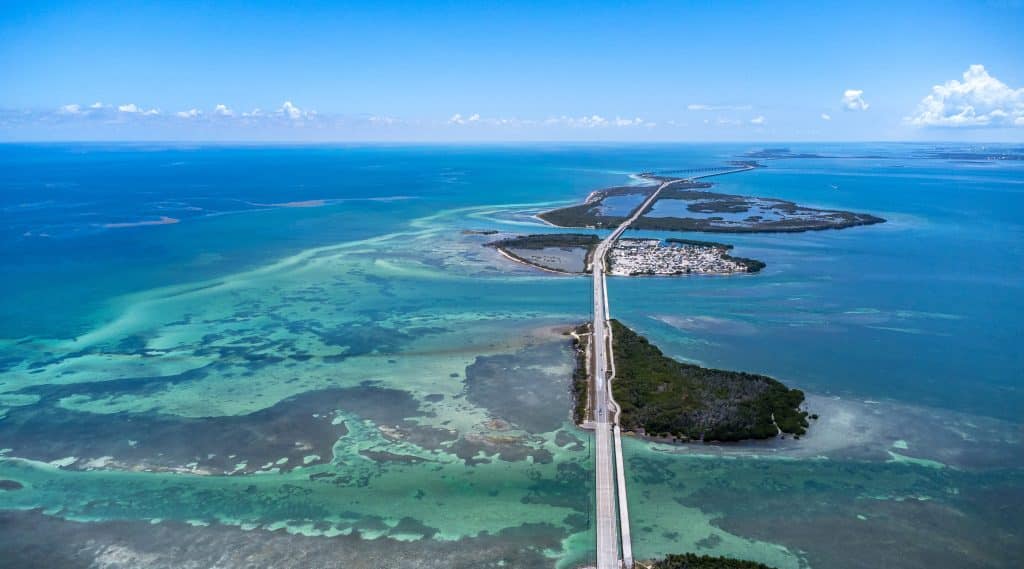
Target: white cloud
[853,100]
[291,111]
[457,118]
[757,120]
[637,121]
[384,120]
[133,109]
[591,121]
[826,117]
[588,122]
[287,115]
[701,107]
[979,100]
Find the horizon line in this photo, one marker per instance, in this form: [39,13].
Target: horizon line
[471,142]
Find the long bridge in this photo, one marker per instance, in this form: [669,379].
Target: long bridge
[705,172]
[614,547]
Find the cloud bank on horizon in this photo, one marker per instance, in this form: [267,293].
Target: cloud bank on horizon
[977,101]
[416,70]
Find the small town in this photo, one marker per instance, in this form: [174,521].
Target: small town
[651,257]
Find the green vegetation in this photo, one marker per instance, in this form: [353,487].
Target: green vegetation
[664,398]
[583,215]
[588,214]
[833,220]
[752,265]
[580,375]
[698,243]
[516,247]
[545,240]
[793,218]
[694,561]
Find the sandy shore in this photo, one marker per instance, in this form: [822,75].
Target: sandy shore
[511,257]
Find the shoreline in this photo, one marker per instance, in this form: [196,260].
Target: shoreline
[512,257]
[752,267]
[690,404]
[877,432]
[548,223]
[793,217]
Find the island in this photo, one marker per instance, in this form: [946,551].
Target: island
[568,253]
[686,205]
[694,561]
[663,399]
[778,153]
[607,208]
[572,253]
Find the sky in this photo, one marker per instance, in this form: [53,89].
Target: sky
[512,71]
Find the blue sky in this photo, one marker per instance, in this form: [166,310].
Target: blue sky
[695,71]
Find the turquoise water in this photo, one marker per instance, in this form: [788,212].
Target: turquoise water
[314,357]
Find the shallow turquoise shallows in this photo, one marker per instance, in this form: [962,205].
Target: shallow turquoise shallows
[297,355]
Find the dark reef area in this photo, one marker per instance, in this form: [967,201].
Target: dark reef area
[294,428]
[33,539]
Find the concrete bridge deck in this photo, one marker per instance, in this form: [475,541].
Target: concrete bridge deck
[613,535]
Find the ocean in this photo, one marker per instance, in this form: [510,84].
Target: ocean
[299,356]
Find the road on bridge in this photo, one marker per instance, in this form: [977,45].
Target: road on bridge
[608,530]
